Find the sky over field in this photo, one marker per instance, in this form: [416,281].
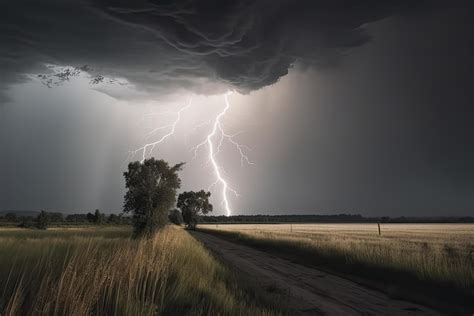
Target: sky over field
[340,106]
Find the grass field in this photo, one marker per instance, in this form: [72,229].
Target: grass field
[101,271]
[428,257]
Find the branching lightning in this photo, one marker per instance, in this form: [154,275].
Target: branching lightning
[149,147]
[61,75]
[217,128]
[213,142]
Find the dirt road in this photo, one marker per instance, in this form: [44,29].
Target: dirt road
[307,290]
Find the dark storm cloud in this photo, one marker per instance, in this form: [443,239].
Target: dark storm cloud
[205,46]
[386,132]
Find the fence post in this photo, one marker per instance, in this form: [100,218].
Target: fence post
[378,224]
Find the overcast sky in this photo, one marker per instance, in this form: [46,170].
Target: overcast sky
[345,107]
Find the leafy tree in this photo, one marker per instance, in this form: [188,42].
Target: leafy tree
[90,217]
[11,217]
[193,204]
[55,217]
[151,193]
[26,221]
[42,221]
[77,218]
[99,218]
[175,217]
[114,219]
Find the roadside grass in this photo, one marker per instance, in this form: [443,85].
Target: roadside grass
[432,264]
[102,271]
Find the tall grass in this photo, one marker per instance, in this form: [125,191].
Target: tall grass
[432,257]
[104,272]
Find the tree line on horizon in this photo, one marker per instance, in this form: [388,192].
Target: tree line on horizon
[44,219]
[336,218]
[175,216]
[151,195]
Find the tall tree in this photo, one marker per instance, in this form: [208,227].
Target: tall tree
[42,221]
[152,187]
[99,218]
[90,217]
[175,217]
[193,204]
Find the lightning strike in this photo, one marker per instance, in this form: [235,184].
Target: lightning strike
[213,142]
[64,74]
[149,147]
[217,129]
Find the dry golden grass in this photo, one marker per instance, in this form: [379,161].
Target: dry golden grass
[442,253]
[104,272]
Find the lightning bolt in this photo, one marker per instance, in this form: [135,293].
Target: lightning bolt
[149,147]
[213,142]
[217,128]
[61,75]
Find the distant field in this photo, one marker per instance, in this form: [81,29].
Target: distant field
[101,271]
[437,254]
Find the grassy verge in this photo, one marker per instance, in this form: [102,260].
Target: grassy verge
[104,272]
[442,279]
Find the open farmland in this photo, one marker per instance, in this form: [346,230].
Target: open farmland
[404,259]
